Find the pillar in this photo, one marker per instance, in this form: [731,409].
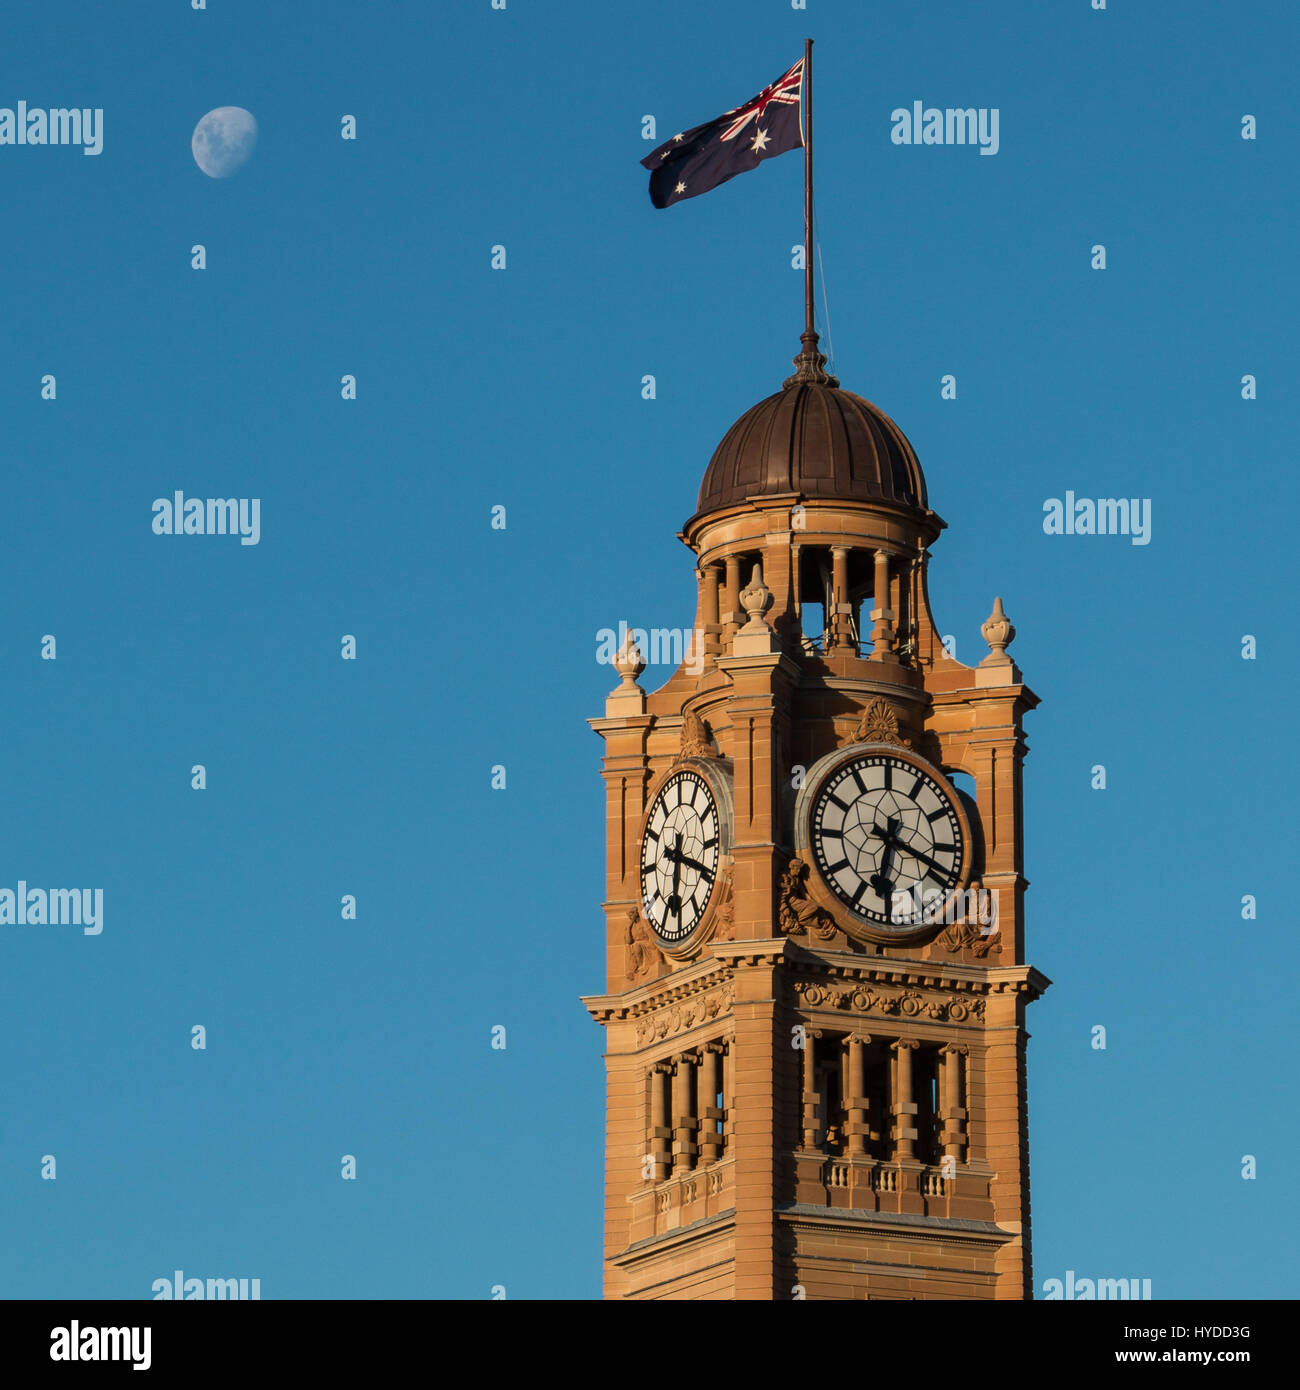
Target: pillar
[882,615]
[683,1114]
[812,1124]
[709,1114]
[856,1102]
[904,1106]
[660,1136]
[839,619]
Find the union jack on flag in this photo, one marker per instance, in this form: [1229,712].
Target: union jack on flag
[739,140]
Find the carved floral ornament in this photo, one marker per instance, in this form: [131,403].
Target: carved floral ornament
[906,1003]
[664,1023]
[695,738]
[877,724]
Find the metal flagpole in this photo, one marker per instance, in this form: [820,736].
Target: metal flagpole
[807,190]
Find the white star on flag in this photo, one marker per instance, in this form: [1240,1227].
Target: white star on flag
[760,140]
[681,188]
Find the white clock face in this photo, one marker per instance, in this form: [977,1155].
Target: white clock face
[679,855]
[882,831]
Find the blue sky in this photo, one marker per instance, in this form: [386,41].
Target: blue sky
[477,647]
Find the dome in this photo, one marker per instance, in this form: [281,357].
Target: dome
[819,441]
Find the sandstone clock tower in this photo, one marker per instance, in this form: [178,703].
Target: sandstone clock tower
[816,975]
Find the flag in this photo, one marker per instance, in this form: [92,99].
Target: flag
[702,158]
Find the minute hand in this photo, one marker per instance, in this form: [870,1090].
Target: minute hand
[899,847]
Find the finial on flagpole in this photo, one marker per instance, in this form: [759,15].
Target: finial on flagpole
[810,364]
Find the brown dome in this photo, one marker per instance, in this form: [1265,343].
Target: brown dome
[814,439]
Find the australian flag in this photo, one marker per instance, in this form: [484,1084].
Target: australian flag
[702,158]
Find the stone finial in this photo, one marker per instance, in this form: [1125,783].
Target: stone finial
[997,668]
[755,599]
[998,633]
[629,663]
[756,638]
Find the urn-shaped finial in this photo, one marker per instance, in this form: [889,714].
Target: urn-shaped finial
[998,633]
[756,599]
[629,663]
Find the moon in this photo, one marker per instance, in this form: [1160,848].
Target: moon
[223,141]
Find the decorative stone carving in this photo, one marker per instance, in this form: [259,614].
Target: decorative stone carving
[877,724]
[798,913]
[695,737]
[643,955]
[960,936]
[724,914]
[665,1022]
[907,1003]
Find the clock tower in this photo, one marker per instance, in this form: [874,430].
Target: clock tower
[815,942]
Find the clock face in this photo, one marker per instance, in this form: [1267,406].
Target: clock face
[679,855]
[882,831]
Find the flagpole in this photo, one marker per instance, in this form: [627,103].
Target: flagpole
[807,192]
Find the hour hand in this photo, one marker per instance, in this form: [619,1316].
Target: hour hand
[697,866]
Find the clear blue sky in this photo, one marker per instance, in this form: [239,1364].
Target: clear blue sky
[522,388]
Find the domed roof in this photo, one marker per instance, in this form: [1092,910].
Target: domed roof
[817,440]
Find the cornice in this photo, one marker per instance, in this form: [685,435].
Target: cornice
[933,1228]
[921,974]
[705,974]
[822,971]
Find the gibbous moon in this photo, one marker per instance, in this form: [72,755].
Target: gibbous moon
[223,141]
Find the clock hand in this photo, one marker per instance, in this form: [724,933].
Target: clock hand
[896,844]
[677,872]
[697,866]
[880,881]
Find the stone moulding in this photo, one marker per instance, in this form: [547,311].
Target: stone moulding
[679,1018]
[906,1003]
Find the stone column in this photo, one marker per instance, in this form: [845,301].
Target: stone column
[904,1106]
[882,615]
[710,615]
[856,1101]
[732,617]
[710,1115]
[812,1123]
[683,1114]
[660,1136]
[838,620]
[952,1113]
